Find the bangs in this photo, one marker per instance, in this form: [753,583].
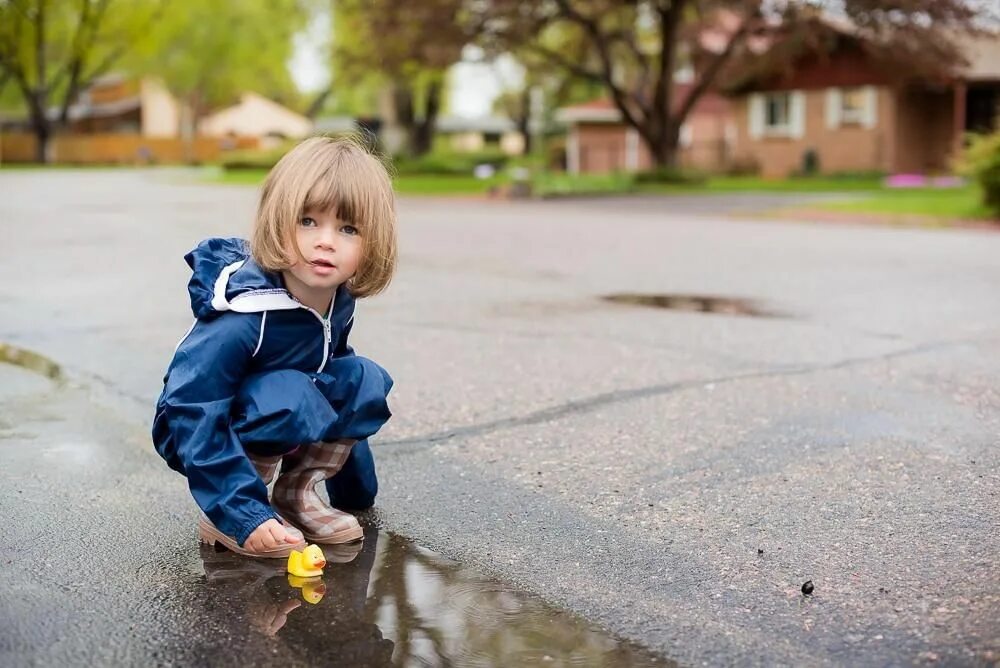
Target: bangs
[345,191]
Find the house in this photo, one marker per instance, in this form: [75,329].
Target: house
[846,110]
[470,134]
[118,119]
[117,104]
[256,116]
[599,141]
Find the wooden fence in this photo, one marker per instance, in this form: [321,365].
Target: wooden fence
[120,148]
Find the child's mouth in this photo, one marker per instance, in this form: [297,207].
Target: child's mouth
[322,267]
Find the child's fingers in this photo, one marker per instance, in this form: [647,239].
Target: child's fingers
[276,534]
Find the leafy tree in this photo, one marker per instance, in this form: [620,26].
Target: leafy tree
[408,47]
[207,52]
[634,47]
[50,50]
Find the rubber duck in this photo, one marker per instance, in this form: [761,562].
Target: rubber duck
[307,563]
[312,588]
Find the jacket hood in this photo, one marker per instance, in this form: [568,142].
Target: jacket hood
[226,278]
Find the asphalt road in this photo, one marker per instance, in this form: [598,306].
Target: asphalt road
[671,476]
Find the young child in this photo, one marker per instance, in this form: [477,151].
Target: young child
[265,376]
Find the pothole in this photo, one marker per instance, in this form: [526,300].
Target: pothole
[696,304]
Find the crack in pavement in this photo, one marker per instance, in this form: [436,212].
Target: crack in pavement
[619,396]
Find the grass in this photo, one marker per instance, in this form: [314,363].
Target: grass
[951,203]
[810,184]
[406,185]
[941,203]
[555,184]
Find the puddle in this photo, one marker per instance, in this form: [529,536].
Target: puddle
[695,303]
[388,602]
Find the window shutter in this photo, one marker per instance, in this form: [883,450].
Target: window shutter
[871,107]
[834,103]
[797,122]
[756,120]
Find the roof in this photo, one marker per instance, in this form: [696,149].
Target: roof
[489,124]
[980,50]
[604,110]
[83,109]
[983,54]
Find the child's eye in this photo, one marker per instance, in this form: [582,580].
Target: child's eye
[307,222]
[349,229]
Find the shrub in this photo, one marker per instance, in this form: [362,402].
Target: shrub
[743,166]
[670,175]
[254,159]
[554,184]
[981,161]
[447,163]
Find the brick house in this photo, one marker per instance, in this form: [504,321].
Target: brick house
[599,141]
[843,112]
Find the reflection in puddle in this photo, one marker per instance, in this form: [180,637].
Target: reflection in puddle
[387,602]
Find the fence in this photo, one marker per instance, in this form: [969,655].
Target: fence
[120,148]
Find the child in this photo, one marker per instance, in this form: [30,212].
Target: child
[265,375]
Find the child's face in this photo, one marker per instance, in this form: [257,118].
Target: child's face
[331,247]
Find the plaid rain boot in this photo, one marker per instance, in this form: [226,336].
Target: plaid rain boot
[266,468]
[295,495]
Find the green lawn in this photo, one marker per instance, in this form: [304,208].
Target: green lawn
[952,203]
[812,184]
[406,185]
[944,203]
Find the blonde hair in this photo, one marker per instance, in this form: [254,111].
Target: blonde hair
[335,174]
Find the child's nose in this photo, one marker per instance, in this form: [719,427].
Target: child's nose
[326,238]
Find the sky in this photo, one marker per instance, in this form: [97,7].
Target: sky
[472,85]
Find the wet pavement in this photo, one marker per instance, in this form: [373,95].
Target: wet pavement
[670,475]
[75,588]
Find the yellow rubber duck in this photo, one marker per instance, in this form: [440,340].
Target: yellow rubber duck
[307,563]
[312,588]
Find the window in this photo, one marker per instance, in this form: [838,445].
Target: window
[777,112]
[853,105]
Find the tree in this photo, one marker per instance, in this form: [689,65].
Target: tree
[635,47]
[557,87]
[409,46]
[207,52]
[53,49]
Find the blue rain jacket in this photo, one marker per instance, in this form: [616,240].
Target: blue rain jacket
[258,369]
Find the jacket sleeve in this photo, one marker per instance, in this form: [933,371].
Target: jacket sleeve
[192,428]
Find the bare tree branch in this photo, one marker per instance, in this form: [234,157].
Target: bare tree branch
[709,74]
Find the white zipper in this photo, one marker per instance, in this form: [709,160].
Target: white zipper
[327,335]
[327,327]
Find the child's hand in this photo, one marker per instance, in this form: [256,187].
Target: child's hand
[268,536]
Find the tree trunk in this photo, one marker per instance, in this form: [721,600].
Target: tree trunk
[43,135]
[39,102]
[523,119]
[41,126]
[422,131]
[664,148]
